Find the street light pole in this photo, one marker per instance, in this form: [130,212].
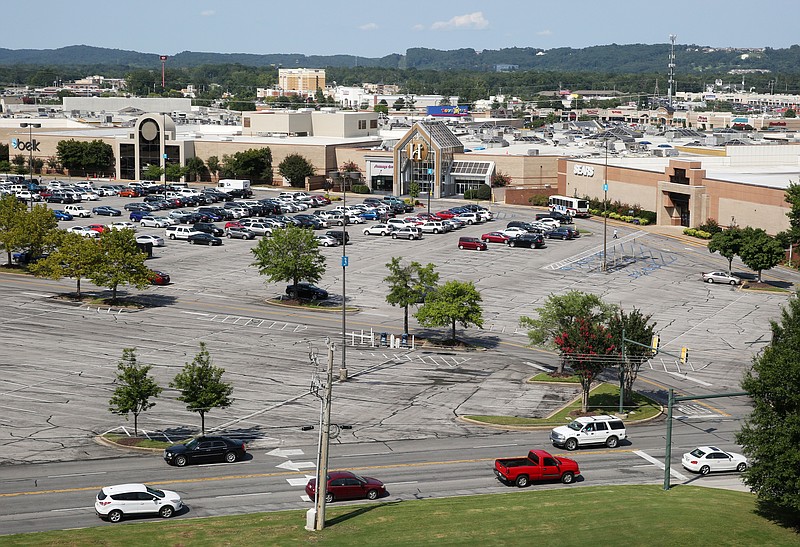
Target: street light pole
[30,127]
[605,211]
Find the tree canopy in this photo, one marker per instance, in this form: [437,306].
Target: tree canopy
[291,254]
[585,345]
[201,386]
[728,243]
[254,164]
[134,388]
[74,256]
[770,436]
[121,262]
[455,302]
[295,168]
[760,251]
[409,284]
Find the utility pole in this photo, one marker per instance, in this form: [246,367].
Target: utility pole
[315,518]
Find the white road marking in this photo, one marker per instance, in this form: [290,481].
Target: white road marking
[285,453]
[305,497]
[660,465]
[301,481]
[65,510]
[76,475]
[683,376]
[495,445]
[396,483]
[540,367]
[364,454]
[296,466]
[244,495]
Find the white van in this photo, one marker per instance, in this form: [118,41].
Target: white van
[180,232]
[77,211]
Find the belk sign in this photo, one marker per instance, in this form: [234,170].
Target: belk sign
[32,146]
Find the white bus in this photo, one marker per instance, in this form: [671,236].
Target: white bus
[572,206]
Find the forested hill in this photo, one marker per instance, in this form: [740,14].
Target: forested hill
[630,58]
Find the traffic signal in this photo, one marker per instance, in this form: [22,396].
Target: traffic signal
[684,355]
[655,343]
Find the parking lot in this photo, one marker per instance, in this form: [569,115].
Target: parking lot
[59,359]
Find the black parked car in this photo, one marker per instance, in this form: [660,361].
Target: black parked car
[561,233]
[533,241]
[561,217]
[209,228]
[204,239]
[205,449]
[339,235]
[306,291]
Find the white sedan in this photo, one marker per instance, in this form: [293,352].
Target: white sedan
[705,459]
[326,241]
[149,238]
[514,231]
[155,222]
[85,231]
[549,223]
[379,230]
[122,226]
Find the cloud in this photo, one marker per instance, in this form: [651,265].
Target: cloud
[470,21]
[369,26]
[545,32]
[208,13]
[418,27]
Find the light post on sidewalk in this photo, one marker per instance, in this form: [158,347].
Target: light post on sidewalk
[30,147]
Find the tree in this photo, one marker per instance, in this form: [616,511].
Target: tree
[121,262]
[585,345]
[452,303]
[399,104]
[295,168]
[134,388]
[559,312]
[728,243]
[409,284]
[759,251]
[195,168]
[291,254]
[12,224]
[637,327]
[770,434]
[152,172]
[213,166]
[254,164]
[201,386]
[98,156]
[174,172]
[75,256]
[500,179]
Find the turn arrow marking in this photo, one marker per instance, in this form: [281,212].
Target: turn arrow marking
[285,453]
[296,466]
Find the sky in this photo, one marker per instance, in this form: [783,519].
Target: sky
[376,29]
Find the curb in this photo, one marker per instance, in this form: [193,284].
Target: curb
[102,441]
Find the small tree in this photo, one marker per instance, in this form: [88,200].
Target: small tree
[213,166]
[12,224]
[769,436]
[455,302]
[291,254]
[759,251]
[409,284]
[295,168]
[75,256]
[728,243]
[121,262]
[134,388]
[584,344]
[153,172]
[637,327]
[559,312]
[201,386]
[500,179]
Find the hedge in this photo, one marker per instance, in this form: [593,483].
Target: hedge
[640,220]
[698,233]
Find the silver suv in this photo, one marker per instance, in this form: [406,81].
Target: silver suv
[589,430]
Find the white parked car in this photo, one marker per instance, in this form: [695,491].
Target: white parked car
[434,227]
[706,459]
[157,241]
[514,231]
[379,230]
[115,502]
[588,430]
[122,225]
[469,218]
[85,231]
[549,223]
[155,222]
[326,241]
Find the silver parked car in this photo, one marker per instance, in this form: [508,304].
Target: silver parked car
[721,277]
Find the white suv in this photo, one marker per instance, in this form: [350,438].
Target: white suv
[607,430]
[114,502]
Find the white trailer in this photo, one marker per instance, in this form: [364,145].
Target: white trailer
[229,185]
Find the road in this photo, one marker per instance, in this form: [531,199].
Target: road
[60,495]
[58,362]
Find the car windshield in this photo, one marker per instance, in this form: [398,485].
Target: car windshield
[192,444]
[360,478]
[155,492]
[575,426]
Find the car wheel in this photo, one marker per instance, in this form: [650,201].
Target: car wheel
[383,233]
[436,230]
[733,282]
[191,242]
[705,470]
[612,442]
[115,515]
[522,481]
[372,495]
[328,497]
[571,444]
[709,280]
[567,478]
[366,232]
[461,247]
[741,467]
[166,512]
[172,236]
[180,461]
[394,236]
[230,457]
[229,236]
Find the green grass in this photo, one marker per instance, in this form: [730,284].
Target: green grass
[138,441]
[604,399]
[596,515]
[546,377]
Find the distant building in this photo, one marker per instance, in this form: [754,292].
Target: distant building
[301,81]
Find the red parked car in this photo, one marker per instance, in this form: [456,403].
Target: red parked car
[344,485]
[233,224]
[472,243]
[128,193]
[99,228]
[159,278]
[537,466]
[444,215]
[495,237]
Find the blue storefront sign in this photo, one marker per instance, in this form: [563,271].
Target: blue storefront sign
[460,110]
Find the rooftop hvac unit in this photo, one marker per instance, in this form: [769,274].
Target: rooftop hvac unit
[533,151]
[226,139]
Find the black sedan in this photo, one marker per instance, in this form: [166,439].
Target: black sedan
[532,241]
[561,233]
[306,291]
[205,449]
[204,239]
[106,211]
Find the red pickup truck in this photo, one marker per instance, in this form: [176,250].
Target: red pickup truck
[538,466]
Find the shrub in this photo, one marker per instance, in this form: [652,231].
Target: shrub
[693,232]
[539,200]
[711,226]
[481,192]
[361,189]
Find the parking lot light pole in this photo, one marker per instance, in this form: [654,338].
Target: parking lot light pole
[605,211]
[30,127]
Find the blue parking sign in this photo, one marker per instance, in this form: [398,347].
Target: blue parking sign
[605,187]
[345,262]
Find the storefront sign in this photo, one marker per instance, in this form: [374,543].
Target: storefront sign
[583,170]
[32,146]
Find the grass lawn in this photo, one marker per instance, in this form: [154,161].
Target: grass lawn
[604,399]
[140,442]
[547,377]
[595,515]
